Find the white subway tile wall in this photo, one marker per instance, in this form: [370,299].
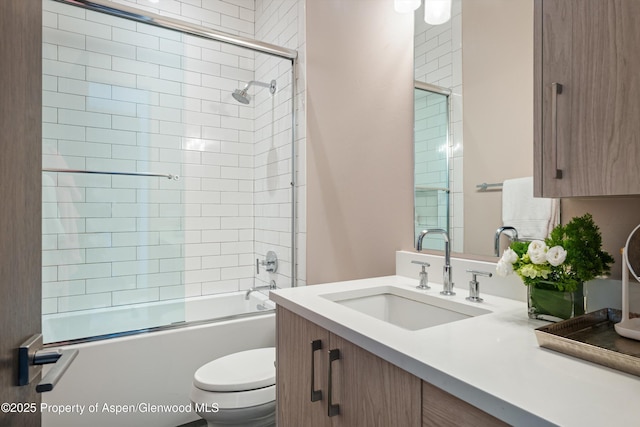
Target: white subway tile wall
[281,23]
[438,60]
[128,97]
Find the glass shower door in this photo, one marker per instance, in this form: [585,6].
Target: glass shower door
[159,187]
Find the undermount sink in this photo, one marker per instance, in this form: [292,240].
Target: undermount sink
[405,308]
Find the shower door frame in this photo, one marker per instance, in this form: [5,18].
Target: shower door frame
[146,17]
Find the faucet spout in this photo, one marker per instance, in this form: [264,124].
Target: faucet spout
[447,283]
[272,285]
[499,231]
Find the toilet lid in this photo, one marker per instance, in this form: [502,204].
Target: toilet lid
[246,370]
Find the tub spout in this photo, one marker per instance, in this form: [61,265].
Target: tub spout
[271,286]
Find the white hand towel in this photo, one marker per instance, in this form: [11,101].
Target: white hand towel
[532,217]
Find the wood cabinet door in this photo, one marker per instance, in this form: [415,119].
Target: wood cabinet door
[372,392]
[20,202]
[587,98]
[294,337]
[441,409]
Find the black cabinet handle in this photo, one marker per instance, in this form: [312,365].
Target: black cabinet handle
[315,394]
[556,89]
[333,409]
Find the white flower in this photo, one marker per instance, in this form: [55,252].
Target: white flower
[504,268]
[537,252]
[509,255]
[556,255]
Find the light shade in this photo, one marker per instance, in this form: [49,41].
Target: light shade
[437,12]
[406,6]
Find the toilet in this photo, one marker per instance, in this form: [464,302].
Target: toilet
[238,389]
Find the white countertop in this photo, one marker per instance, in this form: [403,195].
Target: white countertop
[492,361]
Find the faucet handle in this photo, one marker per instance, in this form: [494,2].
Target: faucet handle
[475,273]
[270,263]
[424,278]
[422,263]
[474,285]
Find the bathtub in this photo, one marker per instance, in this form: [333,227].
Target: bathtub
[144,379]
[63,327]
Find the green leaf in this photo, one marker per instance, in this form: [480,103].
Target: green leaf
[585,258]
[582,240]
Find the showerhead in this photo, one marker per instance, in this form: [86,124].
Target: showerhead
[242,96]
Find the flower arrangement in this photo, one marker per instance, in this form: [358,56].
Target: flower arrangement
[571,255]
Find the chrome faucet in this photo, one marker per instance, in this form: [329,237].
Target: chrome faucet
[424,276]
[271,286]
[447,283]
[499,231]
[474,285]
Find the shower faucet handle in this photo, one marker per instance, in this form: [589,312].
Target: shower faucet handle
[270,263]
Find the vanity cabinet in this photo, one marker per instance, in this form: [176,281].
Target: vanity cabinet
[299,369]
[441,409]
[368,390]
[586,98]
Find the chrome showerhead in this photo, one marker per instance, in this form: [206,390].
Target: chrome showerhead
[242,96]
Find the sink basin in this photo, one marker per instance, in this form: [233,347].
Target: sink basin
[405,308]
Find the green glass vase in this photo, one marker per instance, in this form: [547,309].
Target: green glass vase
[546,302]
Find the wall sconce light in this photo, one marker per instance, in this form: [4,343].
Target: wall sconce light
[436,12]
[406,6]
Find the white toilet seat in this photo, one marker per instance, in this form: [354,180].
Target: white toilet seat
[238,380]
[235,399]
[246,370]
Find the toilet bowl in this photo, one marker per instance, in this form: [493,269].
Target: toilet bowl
[238,389]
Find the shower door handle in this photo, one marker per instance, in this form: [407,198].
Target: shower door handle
[31,358]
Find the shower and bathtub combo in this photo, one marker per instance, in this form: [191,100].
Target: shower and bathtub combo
[153,279]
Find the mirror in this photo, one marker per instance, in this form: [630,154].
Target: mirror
[484,55]
[630,325]
[431,162]
[632,253]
